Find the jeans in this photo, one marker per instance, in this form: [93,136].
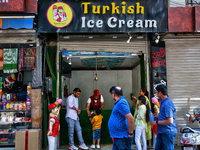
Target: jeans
[74,124]
[140,134]
[52,142]
[122,143]
[165,140]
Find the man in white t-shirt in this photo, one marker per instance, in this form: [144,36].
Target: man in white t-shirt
[73,120]
[95,101]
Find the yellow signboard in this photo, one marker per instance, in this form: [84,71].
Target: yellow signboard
[59,14]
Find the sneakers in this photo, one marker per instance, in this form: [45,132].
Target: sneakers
[83,146]
[72,147]
[98,146]
[92,146]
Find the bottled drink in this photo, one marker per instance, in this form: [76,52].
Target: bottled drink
[151,116]
[28,102]
[24,106]
[8,106]
[3,105]
[11,106]
[16,106]
[29,87]
[0,105]
[4,98]
[20,105]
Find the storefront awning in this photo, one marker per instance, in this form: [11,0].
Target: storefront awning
[16,23]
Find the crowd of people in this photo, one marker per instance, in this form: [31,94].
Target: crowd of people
[124,127]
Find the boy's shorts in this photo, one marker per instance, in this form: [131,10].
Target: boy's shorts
[96,134]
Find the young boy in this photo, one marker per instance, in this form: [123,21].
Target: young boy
[96,121]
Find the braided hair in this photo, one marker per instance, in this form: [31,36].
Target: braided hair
[144,101]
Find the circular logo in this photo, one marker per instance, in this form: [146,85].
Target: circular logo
[59,14]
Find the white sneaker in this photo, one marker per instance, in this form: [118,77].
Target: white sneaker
[72,147]
[92,146]
[98,146]
[83,146]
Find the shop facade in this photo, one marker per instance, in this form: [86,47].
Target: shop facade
[182,61]
[18,48]
[99,30]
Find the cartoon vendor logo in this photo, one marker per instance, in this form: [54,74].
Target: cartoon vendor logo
[59,14]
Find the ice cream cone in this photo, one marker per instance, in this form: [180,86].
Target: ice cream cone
[156,109]
[154,100]
[157,104]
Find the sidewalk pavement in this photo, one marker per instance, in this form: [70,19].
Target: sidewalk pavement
[103,147]
[109,147]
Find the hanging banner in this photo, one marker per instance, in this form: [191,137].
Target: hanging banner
[158,64]
[102,16]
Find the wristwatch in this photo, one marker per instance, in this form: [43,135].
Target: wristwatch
[157,122]
[130,134]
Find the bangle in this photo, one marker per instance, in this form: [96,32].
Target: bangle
[157,122]
[87,108]
[130,133]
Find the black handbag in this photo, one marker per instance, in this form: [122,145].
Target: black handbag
[19,82]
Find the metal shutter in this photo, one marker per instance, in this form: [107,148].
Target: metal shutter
[104,43]
[177,3]
[183,77]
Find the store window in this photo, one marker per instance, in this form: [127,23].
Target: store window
[16,66]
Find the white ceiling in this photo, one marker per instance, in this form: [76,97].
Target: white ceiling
[104,62]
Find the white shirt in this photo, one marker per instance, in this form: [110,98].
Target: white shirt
[71,113]
[89,100]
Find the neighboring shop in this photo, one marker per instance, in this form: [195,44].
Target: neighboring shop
[182,61]
[18,53]
[91,43]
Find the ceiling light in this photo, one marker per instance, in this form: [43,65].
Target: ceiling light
[140,37]
[67,58]
[157,38]
[66,37]
[70,61]
[134,54]
[128,41]
[156,41]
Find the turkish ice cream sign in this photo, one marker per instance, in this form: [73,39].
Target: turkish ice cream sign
[104,16]
[114,22]
[59,14]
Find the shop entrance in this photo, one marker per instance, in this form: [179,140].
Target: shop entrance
[101,70]
[100,64]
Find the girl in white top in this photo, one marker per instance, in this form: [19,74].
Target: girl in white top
[141,120]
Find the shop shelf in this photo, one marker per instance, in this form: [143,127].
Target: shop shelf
[9,133]
[13,122]
[15,110]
